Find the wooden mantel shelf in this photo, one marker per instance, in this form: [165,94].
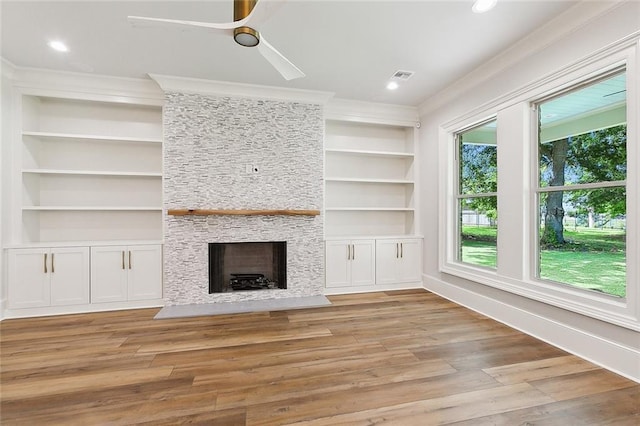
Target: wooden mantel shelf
[205,212]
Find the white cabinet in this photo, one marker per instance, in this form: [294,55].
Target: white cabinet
[121,273]
[398,261]
[369,179]
[41,277]
[350,263]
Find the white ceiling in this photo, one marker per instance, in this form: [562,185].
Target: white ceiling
[350,48]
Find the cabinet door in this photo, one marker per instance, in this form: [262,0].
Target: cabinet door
[144,269]
[108,274]
[363,271]
[338,264]
[28,278]
[69,276]
[387,261]
[410,252]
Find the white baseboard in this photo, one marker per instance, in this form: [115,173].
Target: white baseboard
[605,353]
[79,309]
[331,291]
[3,306]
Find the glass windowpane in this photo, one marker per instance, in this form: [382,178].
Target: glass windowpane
[478,177]
[479,231]
[583,135]
[592,253]
[479,160]
[582,233]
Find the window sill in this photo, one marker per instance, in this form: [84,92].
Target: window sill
[602,307]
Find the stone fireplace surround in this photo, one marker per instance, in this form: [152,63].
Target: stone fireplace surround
[210,142]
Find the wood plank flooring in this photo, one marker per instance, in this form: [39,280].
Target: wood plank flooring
[398,358]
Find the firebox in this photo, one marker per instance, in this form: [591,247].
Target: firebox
[247,266]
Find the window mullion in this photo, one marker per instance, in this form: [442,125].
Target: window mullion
[579,186]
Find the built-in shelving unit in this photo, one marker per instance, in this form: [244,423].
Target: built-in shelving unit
[85,199]
[371,234]
[90,169]
[369,179]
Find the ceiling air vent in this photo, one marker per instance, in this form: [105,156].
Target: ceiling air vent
[402,75]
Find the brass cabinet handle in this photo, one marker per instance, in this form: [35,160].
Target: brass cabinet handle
[129,259]
[45,263]
[53,266]
[123,259]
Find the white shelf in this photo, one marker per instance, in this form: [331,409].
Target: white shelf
[90,169]
[90,173]
[99,138]
[90,208]
[83,243]
[367,180]
[358,152]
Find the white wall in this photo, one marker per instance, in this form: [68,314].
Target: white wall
[599,24]
[5,136]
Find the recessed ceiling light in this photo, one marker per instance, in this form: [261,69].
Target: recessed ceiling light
[481,6]
[58,46]
[392,85]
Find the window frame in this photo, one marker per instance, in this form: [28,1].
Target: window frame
[460,196]
[521,279]
[538,190]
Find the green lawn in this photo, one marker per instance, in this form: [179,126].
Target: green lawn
[481,253]
[594,259]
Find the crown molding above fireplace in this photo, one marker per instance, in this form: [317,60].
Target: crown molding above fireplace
[224,88]
[205,212]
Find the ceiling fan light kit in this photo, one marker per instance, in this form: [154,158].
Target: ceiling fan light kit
[247,37]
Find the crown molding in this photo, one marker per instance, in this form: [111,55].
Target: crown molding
[225,88]
[589,66]
[371,112]
[561,26]
[7,69]
[86,86]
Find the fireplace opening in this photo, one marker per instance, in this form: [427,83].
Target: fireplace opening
[247,266]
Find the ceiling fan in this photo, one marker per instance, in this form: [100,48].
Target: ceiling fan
[245,13]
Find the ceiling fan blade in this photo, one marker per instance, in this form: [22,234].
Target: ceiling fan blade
[161,22]
[279,62]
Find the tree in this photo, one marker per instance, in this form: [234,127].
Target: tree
[601,156]
[479,175]
[553,159]
[597,156]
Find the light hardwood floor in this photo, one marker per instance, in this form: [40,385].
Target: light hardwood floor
[402,358]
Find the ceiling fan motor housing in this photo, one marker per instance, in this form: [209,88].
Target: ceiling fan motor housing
[244,36]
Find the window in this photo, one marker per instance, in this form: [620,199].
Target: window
[477,195]
[542,200]
[581,191]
